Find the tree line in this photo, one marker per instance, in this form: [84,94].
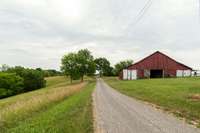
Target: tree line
[15,80]
[76,65]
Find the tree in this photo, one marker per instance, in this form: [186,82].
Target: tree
[122,65]
[4,67]
[39,69]
[70,66]
[33,79]
[110,71]
[17,69]
[10,84]
[49,72]
[77,65]
[85,63]
[103,66]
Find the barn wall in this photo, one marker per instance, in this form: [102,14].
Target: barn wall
[140,73]
[158,61]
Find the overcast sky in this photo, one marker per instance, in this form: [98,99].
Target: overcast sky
[37,33]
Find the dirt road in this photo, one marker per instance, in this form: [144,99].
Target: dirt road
[117,113]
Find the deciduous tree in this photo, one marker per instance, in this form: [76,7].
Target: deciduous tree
[103,66]
[85,62]
[121,65]
[70,66]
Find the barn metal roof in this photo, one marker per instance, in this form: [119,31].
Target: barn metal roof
[158,52]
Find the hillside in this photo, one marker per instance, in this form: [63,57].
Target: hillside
[54,108]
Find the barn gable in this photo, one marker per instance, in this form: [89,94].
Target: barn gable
[159,60]
[158,65]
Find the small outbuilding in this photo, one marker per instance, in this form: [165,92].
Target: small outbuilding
[157,65]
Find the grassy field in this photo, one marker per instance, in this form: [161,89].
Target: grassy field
[60,107]
[180,96]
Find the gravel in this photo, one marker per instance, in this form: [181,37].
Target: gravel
[117,113]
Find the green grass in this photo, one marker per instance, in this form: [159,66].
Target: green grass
[59,107]
[173,95]
[56,81]
[52,82]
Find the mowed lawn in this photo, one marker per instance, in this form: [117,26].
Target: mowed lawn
[180,96]
[60,107]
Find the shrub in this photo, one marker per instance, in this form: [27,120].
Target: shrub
[33,79]
[10,84]
[5,93]
[51,72]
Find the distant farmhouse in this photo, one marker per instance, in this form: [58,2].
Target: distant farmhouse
[157,65]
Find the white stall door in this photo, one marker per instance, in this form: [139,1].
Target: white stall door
[125,74]
[183,73]
[133,74]
[187,73]
[129,74]
[179,73]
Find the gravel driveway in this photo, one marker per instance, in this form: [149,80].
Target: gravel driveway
[117,113]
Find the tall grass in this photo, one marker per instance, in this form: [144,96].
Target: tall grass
[72,115]
[20,107]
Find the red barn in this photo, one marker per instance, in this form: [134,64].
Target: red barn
[157,65]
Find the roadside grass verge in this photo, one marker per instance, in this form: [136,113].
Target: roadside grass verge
[73,115]
[52,82]
[176,95]
[18,108]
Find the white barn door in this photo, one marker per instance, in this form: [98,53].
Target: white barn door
[187,73]
[129,74]
[183,73]
[179,73]
[133,74]
[125,74]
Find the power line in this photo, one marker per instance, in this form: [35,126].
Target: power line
[142,12]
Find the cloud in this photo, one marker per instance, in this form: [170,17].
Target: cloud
[37,33]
